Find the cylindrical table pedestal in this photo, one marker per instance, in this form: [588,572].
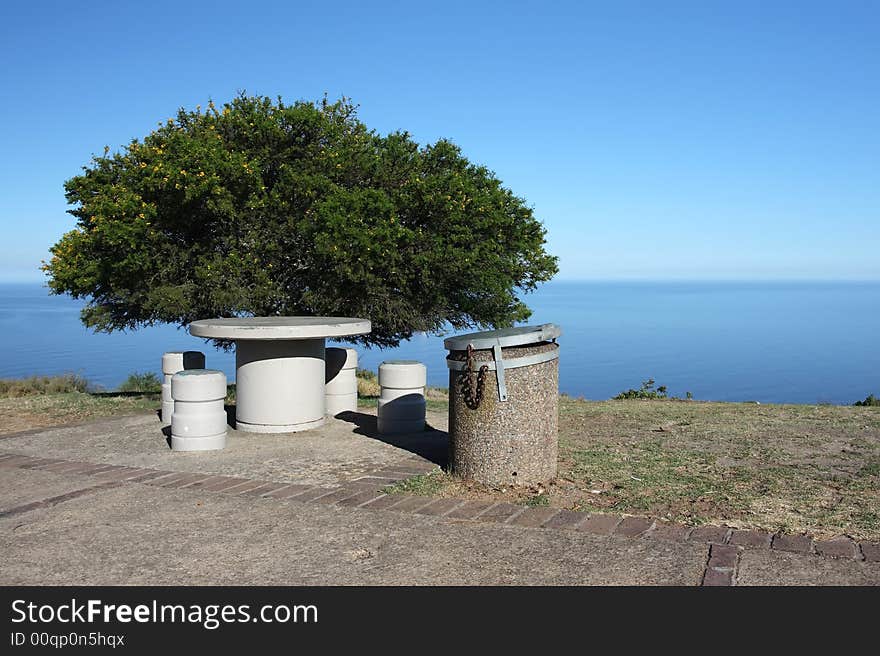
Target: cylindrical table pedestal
[279,385]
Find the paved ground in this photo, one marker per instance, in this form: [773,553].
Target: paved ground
[342,450]
[109,503]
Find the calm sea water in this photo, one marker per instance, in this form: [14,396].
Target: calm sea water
[769,342]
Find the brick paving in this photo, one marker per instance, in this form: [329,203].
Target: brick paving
[53,501]
[871,551]
[439,507]
[724,545]
[795,543]
[469,510]
[633,527]
[361,499]
[841,547]
[535,517]
[669,531]
[565,519]
[716,534]
[383,502]
[752,539]
[500,513]
[721,566]
[601,524]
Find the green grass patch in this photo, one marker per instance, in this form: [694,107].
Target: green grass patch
[538,501]
[425,485]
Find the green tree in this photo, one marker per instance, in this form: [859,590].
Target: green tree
[264,208]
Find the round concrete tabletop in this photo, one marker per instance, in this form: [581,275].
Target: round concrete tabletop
[279,327]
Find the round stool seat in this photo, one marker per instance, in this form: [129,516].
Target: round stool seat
[198,385]
[174,361]
[403,374]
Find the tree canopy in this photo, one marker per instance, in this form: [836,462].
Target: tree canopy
[265,208]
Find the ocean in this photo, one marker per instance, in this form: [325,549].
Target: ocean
[773,342]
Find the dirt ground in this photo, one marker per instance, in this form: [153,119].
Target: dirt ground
[794,468]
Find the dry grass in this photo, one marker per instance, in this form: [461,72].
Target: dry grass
[368,384]
[36,385]
[813,469]
[437,398]
[41,411]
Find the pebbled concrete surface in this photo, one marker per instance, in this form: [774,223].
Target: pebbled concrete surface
[139,535]
[335,453]
[765,567]
[19,487]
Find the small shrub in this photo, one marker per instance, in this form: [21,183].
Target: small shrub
[34,385]
[368,383]
[366,374]
[146,383]
[646,391]
[870,400]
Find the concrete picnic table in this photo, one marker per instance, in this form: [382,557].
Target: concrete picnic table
[279,367]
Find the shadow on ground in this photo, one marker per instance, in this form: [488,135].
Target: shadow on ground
[431,444]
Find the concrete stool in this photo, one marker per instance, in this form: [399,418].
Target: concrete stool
[199,419]
[172,362]
[341,387]
[402,399]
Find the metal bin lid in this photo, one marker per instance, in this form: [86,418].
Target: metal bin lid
[518,336]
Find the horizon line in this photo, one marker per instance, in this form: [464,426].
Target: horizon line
[6,280]
[715,279]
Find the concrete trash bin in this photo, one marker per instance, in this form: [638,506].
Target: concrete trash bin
[503,405]
[172,362]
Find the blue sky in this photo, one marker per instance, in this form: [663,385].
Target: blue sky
[699,140]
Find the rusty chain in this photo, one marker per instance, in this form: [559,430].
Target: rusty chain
[471,399]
